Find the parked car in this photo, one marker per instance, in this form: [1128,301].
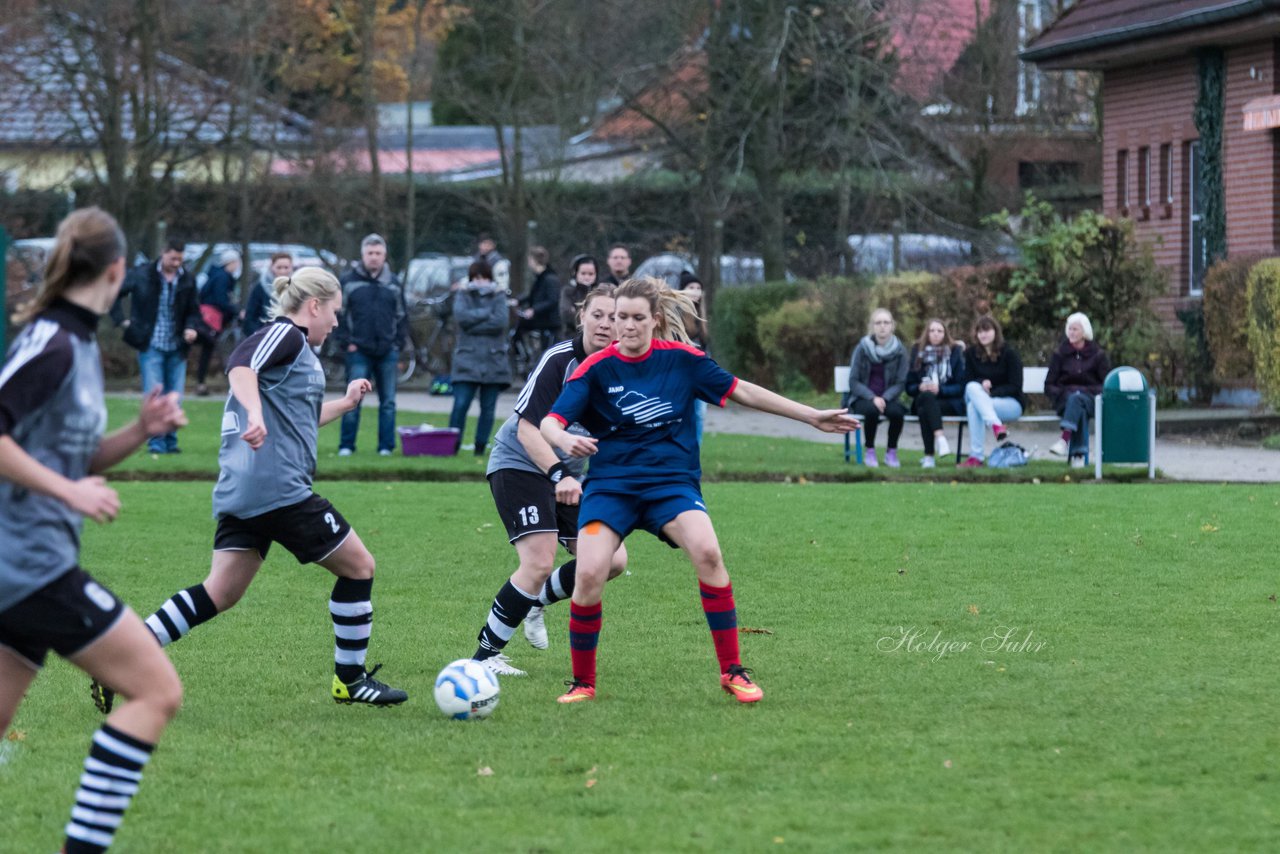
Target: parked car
[201,256]
[24,266]
[431,273]
[930,253]
[735,270]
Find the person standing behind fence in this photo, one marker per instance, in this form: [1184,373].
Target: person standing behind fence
[373,327]
[582,278]
[540,308]
[257,312]
[217,310]
[993,393]
[487,251]
[163,316]
[935,382]
[877,378]
[480,360]
[1076,372]
[619,261]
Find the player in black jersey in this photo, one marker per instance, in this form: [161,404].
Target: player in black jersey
[52,448]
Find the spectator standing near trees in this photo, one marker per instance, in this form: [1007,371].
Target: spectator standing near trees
[372,328]
[163,316]
[487,251]
[582,278]
[257,311]
[540,308]
[619,261]
[480,361]
[217,310]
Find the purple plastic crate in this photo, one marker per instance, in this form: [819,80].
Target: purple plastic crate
[429,441]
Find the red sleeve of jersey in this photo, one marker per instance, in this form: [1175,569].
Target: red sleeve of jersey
[728,394]
[560,418]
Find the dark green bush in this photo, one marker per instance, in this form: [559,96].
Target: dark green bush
[735,342]
[1226,322]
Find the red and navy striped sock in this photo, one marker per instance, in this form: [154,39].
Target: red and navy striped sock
[722,619]
[584,635]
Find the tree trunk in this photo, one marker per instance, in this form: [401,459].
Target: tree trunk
[369,102]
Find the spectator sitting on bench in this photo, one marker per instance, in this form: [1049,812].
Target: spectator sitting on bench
[1076,371]
[877,378]
[993,395]
[935,382]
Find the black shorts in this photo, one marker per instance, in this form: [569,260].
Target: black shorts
[527,504]
[311,530]
[66,615]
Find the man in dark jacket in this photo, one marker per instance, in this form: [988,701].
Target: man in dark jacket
[372,328]
[163,314]
[540,308]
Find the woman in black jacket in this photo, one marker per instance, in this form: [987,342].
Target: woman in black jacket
[993,394]
[1076,371]
[935,383]
[480,361]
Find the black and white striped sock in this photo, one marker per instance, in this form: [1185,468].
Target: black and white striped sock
[111,775]
[510,607]
[351,607]
[559,584]
[181,613]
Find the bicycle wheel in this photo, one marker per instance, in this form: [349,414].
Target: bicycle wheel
[407,361]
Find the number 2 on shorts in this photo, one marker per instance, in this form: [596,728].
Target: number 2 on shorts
[333,523]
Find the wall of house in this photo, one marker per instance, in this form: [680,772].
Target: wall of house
[1249,157]
[1151,106]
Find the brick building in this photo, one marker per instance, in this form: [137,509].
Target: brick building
[1189,92]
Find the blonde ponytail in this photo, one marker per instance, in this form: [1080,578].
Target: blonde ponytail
[292,292]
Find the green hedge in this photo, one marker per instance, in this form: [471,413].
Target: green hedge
[1264,326]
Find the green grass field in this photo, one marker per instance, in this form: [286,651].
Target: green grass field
[724,457]
[1140,715]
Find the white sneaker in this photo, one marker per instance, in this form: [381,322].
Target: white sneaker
[1077,461]
[500,665]
[941,446]
[535,628]
[384,453]
[1059,448]
[927,463]
[345,452]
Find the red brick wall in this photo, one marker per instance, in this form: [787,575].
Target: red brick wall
[1152,105]
[1249,156]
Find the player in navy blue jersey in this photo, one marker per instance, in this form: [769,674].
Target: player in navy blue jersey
[52,448]
[263,495]
[536,491]
[636,399]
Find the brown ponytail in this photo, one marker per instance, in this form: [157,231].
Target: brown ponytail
[87,243]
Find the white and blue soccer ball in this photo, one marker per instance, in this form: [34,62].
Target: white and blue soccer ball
[466,690]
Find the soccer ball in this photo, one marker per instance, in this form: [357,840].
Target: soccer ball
[466,690]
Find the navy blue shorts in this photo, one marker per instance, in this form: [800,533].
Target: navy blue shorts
[648,508]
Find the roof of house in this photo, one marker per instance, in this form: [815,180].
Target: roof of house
[44,103]
[928,37]
[1093,25]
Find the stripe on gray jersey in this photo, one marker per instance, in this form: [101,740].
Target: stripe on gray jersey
[30,345]
[268,345]
[523,399]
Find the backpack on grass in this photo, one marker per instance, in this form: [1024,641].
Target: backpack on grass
[1008,456]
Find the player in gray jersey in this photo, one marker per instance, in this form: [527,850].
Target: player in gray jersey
[52,419]
[537,490]
[263,495]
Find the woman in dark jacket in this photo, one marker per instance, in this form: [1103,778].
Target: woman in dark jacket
[480,362]
[935,382]
[993,393]
[877,378]
[582,278]
[1076,371]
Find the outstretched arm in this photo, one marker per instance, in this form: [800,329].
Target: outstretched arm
[88,496]
[826,420]
[356,390]
[160,413]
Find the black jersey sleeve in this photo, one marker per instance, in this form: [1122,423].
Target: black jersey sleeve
[543,387]
[272,345]
[40,360]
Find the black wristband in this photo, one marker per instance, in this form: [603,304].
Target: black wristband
[558,472]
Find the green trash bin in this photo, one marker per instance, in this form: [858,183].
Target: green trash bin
[1126,420]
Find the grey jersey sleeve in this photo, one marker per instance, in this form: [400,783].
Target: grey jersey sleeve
[277,343]
[38,364]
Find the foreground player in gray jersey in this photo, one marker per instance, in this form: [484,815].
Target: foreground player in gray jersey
[52,417]
[536,490]
[263,494]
